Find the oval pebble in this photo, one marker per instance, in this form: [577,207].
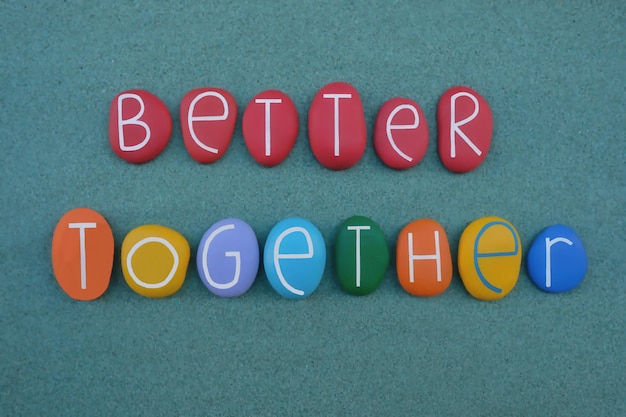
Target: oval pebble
[82,254]
[228,258]
[337,131]
[270,127]
[140,126]
[294,258]
[401,133]
[154,260]
[465,126]
[557,261]
[489,258]
[423,258]
[361,255]
[207,121]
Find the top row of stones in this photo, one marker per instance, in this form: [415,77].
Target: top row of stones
[140,126]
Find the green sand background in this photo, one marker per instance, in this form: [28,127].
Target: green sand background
[553,73]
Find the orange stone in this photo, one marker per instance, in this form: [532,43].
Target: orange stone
[423,259]
[82,254]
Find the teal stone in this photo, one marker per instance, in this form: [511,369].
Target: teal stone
[361,255]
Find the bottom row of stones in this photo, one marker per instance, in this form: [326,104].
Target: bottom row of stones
[154,258]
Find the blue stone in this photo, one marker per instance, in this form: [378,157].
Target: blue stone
[557,261]
[294,258]
[228,258]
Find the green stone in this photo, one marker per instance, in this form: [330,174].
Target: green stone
[361,255]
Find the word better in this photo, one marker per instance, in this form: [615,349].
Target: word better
[140,127]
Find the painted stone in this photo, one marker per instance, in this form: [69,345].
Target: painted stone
[465,126]
[337,130]
[155,260]
[207,121]
[401,133]
[556,260]
[489,258]
[270,127]
[82,254]
[361,255]
[294,258]
[423,258]
[140,126]
[228,258]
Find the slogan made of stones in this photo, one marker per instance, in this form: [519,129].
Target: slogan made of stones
[154,258]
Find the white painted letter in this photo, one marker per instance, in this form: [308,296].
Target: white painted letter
[129,263]
[358,251]
[233,254]
[268,102]
[336,98]
[132,121]
[549,243]
[454,125]
[436,257]
[83,255]
[191,118]
[278,256]
[390,127]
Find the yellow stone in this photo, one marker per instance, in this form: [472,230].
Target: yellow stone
[489,258]
[154,260]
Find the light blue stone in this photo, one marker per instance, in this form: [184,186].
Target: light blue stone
[228,258]
[557,261]
[294,258]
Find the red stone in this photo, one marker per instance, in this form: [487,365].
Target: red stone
[140,126]
[401,133]
[465,126]
[337,129]
[207,120]
[270,127]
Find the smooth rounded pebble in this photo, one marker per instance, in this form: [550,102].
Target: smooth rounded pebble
[400,133]
[465,128]
[361,255]
[294,258]
[337,131]
[82,254]
[489,258]
[423,258]
[140,126]
[228,258]
[270,127]
[557,261]
[207,121]
[154,260]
